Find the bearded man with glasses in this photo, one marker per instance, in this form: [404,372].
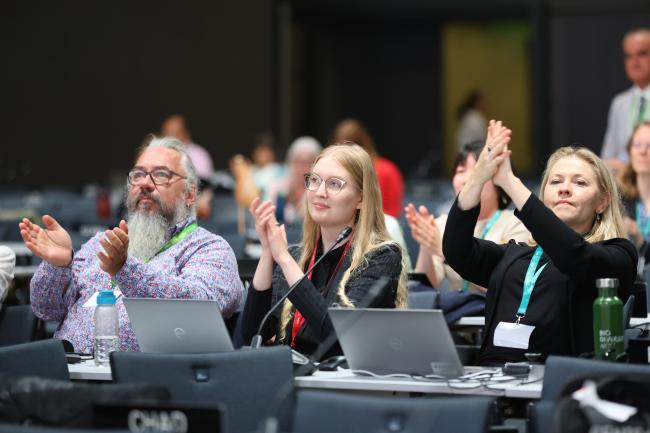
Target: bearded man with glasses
[160,253]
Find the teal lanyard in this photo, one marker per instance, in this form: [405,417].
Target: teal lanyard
[170,243]
[488,225]
[642,220]
[529,282]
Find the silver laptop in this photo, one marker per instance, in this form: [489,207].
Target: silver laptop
[178,325]
[391,341]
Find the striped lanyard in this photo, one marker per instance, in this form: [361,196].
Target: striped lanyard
[638,111]
[532,274]
[488,225]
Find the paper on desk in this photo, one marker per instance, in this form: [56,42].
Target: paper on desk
[588,396]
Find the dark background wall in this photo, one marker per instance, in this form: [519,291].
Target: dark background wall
[382,72]
[586,70]
[379,60]
[84,82]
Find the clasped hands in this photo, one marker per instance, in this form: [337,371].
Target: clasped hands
[494,160]
[54,245]
[272,234]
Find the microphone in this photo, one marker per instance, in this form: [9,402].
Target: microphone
[377,289]
[256,342]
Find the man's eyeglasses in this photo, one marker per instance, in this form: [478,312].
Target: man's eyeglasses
[333,185]
[159,176]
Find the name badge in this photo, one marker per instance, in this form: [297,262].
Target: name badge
[514,335]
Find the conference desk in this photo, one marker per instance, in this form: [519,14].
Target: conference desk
[344,380]
[480,321]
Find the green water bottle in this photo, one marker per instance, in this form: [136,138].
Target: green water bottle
[608,320]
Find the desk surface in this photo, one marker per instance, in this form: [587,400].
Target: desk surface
[344,380]
[480,321]
[87,370]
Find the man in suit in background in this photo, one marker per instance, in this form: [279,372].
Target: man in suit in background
[630,107]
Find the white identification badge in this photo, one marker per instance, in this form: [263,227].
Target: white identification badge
[512,335]
[92,301]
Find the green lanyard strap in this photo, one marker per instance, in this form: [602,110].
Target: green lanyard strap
[638,111]
[179,237]
[488,225]
[532,274]
[170,243]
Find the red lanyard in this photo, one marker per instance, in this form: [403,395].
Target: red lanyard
[298,318]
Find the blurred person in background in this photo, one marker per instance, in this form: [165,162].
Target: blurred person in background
[287,193]
[176,126]
[391,182]
[252,178]
[495,223]
[472,120]
[630,107]
[634,181]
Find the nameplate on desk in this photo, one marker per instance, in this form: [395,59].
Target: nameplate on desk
[139,418]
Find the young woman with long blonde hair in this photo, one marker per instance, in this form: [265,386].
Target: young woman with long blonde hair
[342,191]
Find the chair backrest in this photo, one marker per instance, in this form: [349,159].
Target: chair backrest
[627,311]
[17,324]
[236,241]
[44,358]
[251,384]
[422,300]
[14,428]
[560,370]
[326,412]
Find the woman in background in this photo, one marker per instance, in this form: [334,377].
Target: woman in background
[287,193]
[634,180]
[495,223]
[391,182]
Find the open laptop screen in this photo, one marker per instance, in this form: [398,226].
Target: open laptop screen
[391,341]
[178,325]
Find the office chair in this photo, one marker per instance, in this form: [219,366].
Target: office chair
[44,359]
[17,324]
[15,428]
[236,241]
[251,384]
[559,371]
[422,300]
[628,308]
[325,412]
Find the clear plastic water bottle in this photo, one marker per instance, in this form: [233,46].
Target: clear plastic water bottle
[107,327]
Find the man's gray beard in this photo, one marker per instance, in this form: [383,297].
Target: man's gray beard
[148,231]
